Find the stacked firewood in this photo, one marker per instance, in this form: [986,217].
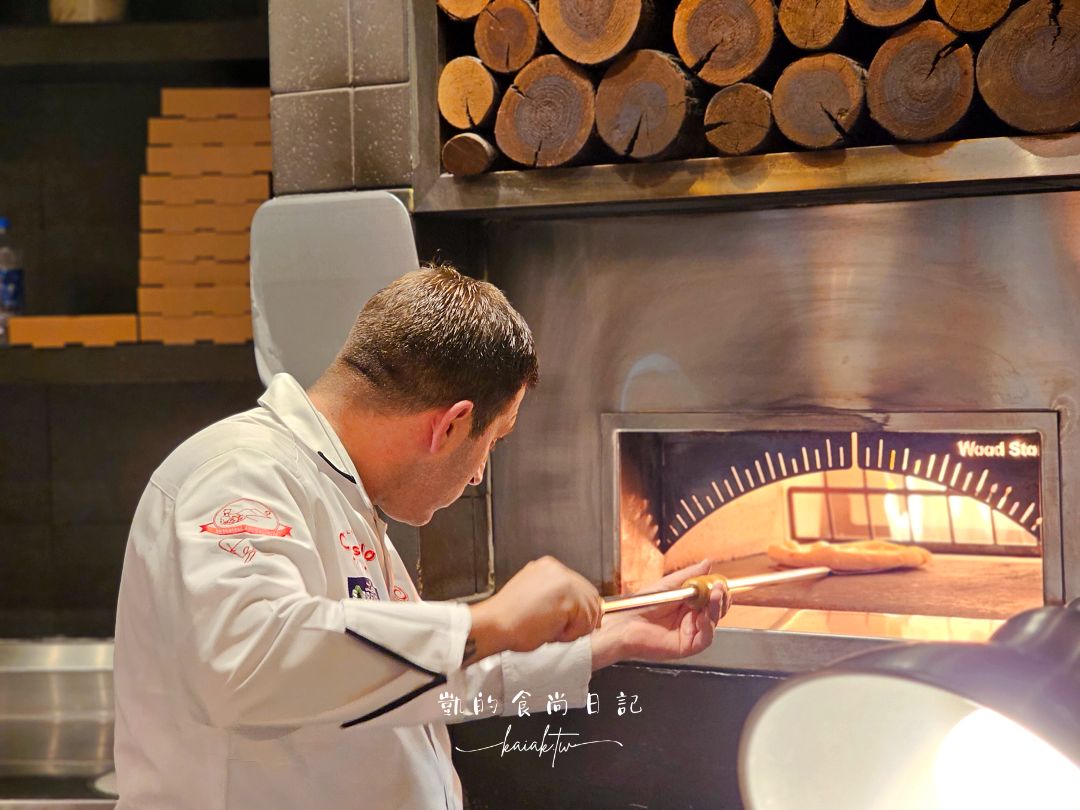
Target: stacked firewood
[566,82]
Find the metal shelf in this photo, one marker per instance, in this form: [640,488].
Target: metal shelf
[128,363]
[871,173]
[42,46]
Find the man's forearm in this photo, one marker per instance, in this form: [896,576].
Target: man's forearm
[607,647]
[487,635]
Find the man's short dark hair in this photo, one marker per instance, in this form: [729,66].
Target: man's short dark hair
[435,337]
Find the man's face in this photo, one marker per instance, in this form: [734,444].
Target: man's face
[461,462]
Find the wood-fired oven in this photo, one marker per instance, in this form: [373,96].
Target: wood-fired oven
[979,490]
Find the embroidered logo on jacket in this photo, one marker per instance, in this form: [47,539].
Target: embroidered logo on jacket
[400,594]
[357,551]
[362,588]
[245,516]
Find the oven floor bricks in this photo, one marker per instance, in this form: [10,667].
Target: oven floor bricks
[208,170]
[343,109]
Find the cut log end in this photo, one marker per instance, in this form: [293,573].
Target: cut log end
[972,16]
[643,105]
[885,13]
[819,101]
[462,9]
[1029,67]
[468,154]
[507,35]
[738,120]
[591,32]
[547,116]
[921,82]
[812,25]
[467,93]
[724,41]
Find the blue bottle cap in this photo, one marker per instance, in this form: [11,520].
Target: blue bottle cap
[4,223]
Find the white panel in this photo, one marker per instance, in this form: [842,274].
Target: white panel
[315,260]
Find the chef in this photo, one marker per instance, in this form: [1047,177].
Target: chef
[272,650]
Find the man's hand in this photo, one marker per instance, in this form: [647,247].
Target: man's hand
[664,632]
[544,601]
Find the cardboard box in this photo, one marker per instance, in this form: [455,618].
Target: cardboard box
[215,102]
[159,272]
[220,131]
[51,331]
[215,328]
[55,331]
[189,161]
[191,246]
[210,188]
[198,217]
[182,301]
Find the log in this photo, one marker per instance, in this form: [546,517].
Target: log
[921,82]
[812,25]
[739,120]
[592,32]
[645,105]
[724,41]
[819,101]
[885,13]
[972,16]
[1028,70]
[507,35]
[468,93]
[546,117]
[467,154]
[462,9]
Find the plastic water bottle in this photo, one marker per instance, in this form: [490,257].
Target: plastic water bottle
[11,281]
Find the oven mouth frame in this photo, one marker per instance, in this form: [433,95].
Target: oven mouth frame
[1043,422]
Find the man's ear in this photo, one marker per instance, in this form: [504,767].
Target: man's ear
[458,417]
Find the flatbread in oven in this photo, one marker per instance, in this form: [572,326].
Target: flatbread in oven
[857,556]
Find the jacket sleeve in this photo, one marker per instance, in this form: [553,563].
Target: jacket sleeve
[552,678]
[256,643]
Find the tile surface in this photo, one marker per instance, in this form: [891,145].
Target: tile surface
[384,136]
[309,45]
[379,41]
[312,136]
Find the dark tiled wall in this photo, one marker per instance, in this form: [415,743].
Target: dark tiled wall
[69,181]
[679,752]
[74,460]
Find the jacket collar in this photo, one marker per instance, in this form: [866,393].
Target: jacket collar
[286,399]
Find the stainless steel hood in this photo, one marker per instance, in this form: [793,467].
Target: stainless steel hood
[961,305]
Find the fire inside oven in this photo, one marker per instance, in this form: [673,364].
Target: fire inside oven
[969,488]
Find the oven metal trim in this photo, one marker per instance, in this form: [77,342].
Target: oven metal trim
[740,648]
[1046,423]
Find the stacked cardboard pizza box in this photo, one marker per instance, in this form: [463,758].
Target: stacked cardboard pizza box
[57,331]
[207,170]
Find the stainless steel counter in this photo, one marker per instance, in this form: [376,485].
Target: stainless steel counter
[56,708]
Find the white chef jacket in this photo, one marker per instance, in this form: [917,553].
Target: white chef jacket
[271,649]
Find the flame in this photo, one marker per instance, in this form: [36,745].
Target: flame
[641,559]
[902,525]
